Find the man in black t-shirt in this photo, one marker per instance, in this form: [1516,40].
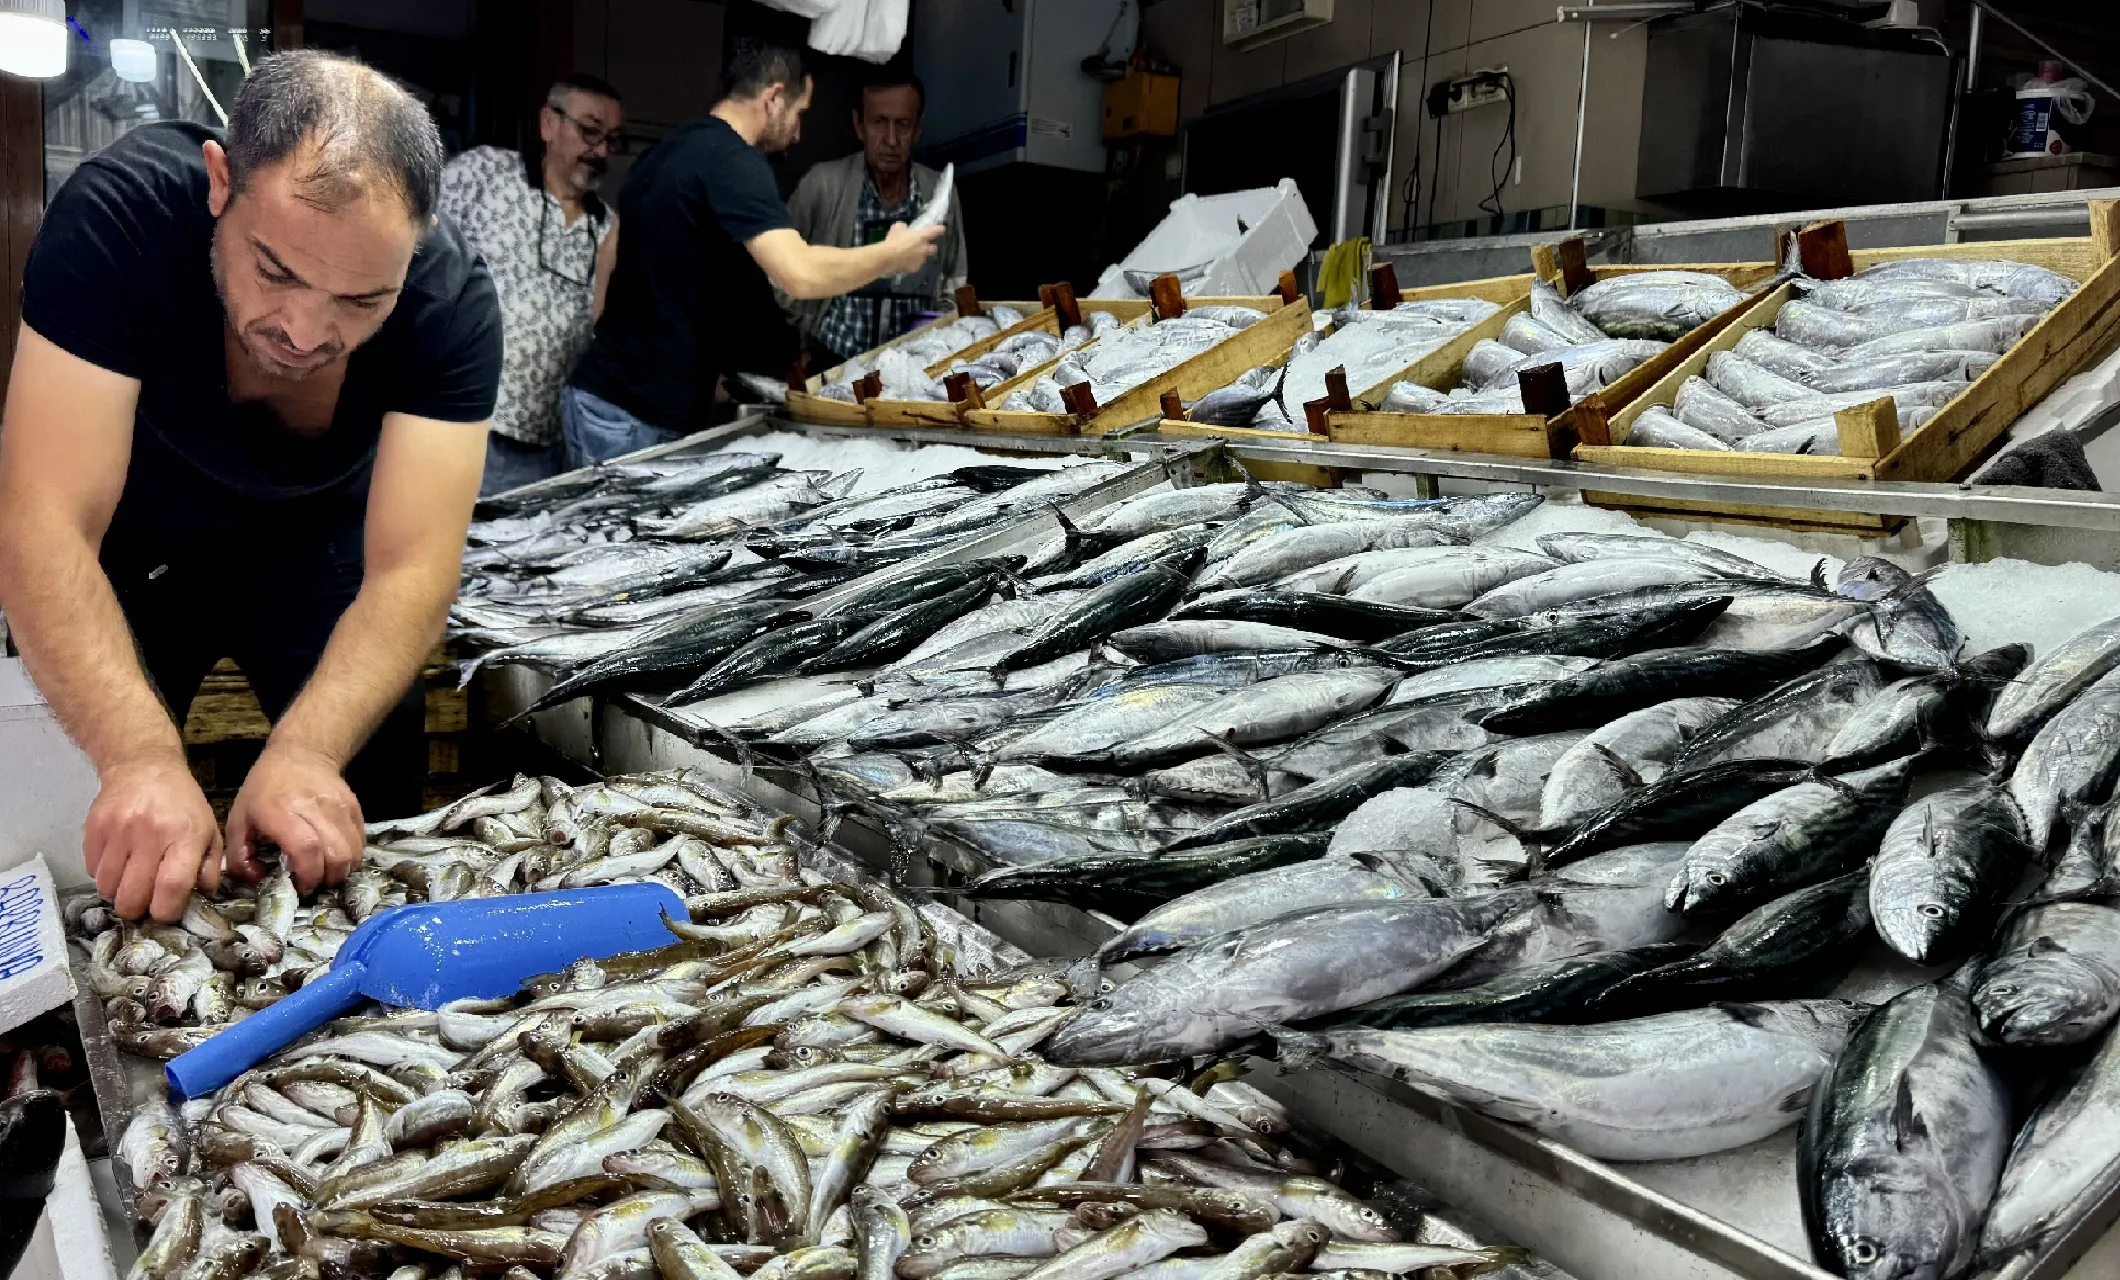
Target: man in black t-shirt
[702,234]
[247,419]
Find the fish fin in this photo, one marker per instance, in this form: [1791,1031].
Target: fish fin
[1630,777]
[1818,576]
[866,688]
[1523,833]
[1752,1015]
[1253,766]
[1296,1049]
[2043,945]
[1906,1121]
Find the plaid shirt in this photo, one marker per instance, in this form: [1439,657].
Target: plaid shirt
[854,322]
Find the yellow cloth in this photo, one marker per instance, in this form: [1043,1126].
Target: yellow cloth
[1342,270]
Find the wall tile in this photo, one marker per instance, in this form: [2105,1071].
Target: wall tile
[1337,44]
[1494,18]
[1185,33]
[1240,74]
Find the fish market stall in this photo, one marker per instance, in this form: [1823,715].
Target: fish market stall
[1959,339]
[1656,680]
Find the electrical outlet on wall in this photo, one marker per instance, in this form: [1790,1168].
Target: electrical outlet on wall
[1482,88]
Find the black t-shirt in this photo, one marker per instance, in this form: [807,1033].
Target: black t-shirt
[120,276]
[686,303]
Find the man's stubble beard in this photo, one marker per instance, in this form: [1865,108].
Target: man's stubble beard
[263,364]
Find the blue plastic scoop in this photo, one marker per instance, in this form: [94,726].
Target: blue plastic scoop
[426,955]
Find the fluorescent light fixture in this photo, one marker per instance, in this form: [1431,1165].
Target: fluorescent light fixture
[133,60]
[33,38]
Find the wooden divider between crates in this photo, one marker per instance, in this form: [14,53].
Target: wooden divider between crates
[2081,329]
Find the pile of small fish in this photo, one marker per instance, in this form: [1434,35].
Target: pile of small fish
[1123,357]
[638,572]
[1597,336]
[1917,330]
[902,365]
[800,1086]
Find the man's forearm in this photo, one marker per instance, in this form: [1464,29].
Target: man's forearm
[74,640]
[375,651]
[828,272]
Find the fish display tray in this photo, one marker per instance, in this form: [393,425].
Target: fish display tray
[1218,366]
[1733,1214]
[2075,334]
[808,406]
[1524,435]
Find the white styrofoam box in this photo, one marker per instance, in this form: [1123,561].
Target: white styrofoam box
[34,977]
[46,783]
[1247,238]
[72,1239]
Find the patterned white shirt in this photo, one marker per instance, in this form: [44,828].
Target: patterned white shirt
[544,271]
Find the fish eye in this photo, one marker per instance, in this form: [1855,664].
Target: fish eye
[1863,1252]
[1106,985]
[1717,878]
[2003,989]
[1100,1004]
[1933,911]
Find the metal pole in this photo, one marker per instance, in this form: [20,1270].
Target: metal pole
[1582,109]
[1968,69]
[1975,29]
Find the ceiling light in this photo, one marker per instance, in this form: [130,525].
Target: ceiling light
[33,38]
[133,60]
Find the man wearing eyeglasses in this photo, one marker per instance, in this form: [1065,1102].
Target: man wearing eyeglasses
[548,240]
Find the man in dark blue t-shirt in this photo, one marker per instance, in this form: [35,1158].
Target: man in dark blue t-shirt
[702,231]
[247,419]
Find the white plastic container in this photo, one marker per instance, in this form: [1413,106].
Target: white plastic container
[1219,246]
[2047,107]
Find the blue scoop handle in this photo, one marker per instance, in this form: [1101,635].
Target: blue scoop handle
[242,1045]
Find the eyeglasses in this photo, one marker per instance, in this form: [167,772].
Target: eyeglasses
[593,135]
[544,212]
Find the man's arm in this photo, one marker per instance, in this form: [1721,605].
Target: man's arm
[804,270]
[64,449]
[606,258]
[419,505]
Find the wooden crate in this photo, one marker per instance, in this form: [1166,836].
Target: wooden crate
[1129,311]
[805,405]
[2069,338]
[1218,366]
[1525,435]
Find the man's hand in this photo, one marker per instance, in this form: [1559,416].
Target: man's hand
[295,798]
[150,837]
[914,248]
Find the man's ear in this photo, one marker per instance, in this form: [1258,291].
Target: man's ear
[220,186]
